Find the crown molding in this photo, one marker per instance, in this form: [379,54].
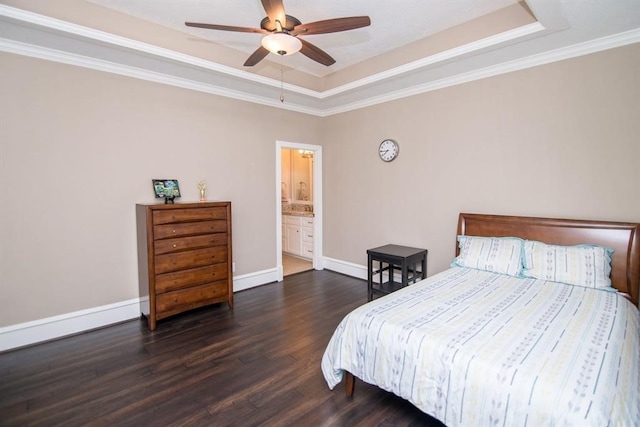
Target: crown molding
[586,48]
[123,42]
[379,88]
[459,51]
[112,39]
[39,52]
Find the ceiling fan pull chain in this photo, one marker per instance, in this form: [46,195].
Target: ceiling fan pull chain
[281,82]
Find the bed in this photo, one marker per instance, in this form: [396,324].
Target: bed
[541,328]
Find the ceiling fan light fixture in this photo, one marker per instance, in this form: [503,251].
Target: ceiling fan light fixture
[281,44]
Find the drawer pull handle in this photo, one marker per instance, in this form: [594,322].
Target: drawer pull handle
[173,231]
[175,246]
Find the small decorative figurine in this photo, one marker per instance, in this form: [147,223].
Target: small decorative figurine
[202,186]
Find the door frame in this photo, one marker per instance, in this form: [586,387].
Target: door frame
[317,203]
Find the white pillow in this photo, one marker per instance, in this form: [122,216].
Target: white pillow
[582,265]
[496,254]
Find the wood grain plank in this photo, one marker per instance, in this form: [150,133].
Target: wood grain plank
[258,364]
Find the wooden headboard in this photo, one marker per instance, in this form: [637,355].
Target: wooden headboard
[623,238]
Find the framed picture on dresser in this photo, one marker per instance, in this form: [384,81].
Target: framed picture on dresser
[167,189]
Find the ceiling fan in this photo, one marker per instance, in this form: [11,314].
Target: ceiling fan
[281,33]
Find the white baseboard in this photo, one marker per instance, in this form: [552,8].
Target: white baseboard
[49,328]
[251,280]
[357,270]
[345,267]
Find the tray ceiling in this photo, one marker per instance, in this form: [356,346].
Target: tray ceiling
[411,47]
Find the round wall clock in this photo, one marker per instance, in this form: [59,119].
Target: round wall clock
[388,150]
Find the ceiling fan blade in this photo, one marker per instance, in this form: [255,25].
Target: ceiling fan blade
[256,57]
[314,52]
[332,25]
[275,11]
[226,28]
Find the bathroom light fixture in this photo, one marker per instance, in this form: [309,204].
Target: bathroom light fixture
[306,154]
[281,44]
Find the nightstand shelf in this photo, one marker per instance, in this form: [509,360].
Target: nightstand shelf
[411,263]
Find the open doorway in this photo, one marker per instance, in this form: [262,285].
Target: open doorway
[293,264]
[296,188]
[298,207]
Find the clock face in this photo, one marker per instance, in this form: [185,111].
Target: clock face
[388,150]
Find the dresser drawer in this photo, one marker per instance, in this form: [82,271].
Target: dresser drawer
[187,215]
[190,259]
[193,242]
[171,303]
[188,229]
[192,277]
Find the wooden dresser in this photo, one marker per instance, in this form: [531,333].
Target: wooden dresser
[184,257]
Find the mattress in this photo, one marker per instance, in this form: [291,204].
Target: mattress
[471,347]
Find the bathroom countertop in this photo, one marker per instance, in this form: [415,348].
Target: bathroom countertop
[297,213]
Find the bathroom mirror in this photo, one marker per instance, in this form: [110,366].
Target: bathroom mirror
[297,176]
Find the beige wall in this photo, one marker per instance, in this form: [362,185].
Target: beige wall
[557,140]
[78,149]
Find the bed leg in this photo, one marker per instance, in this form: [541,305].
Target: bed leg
[350,382]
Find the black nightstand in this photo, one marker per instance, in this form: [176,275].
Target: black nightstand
[395,257]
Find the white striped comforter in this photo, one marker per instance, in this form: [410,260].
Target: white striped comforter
[476,348]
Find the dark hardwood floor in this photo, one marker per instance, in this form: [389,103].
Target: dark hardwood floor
[258,364]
